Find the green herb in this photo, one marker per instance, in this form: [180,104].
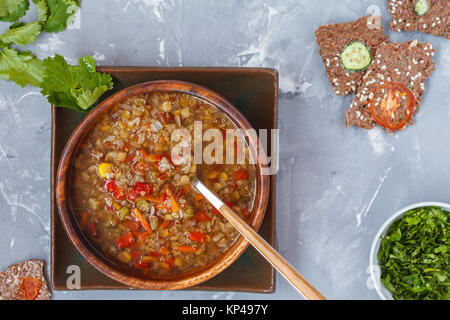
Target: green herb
[21,34]
[415,255]
[75,87]
[20,67]
[12,10]
[55,15]
[42,10]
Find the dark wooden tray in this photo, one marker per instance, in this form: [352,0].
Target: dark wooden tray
[254,91]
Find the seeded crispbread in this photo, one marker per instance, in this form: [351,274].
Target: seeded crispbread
[436,21]
[332,38]
[11,279]
[408,63]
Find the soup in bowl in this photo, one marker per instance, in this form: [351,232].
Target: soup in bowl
[124,185]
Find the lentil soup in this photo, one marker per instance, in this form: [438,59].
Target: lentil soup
[137,206]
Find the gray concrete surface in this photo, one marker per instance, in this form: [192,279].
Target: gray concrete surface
[336,186]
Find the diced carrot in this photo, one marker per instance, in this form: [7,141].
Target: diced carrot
[174,204]
[144,222]
[154,157]
[199,197]
[164,224]
[187,249]
[143,153]
[164,251]
[141,236]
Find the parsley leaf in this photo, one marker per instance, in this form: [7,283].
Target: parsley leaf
[42,10]
[74,87]
[55,15]
[12,10]
[21,34]
[414,255]
[20,67]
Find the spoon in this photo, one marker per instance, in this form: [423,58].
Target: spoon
[271,255]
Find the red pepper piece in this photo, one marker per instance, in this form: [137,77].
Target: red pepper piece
[135,254]
[170,261]
[110,186]
[197,236]
[132,225]
[202,216]
[126,240]
[140,189]
[119,194]
[92,229]
[141,265]
[240,174]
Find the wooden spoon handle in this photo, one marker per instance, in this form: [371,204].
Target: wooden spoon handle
[277,261]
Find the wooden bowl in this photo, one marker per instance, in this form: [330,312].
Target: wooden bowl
[112,268]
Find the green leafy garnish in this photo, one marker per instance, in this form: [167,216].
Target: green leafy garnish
[20,67]
[55,15]
[21,34]
[12,10]
[42,10]
[75,87]
[414,255]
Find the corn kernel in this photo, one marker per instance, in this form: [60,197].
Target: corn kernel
[223,176]
[163,233]
[104,168]
[124,256]
[178,262]
[213,174]
[235,196]
[117,206]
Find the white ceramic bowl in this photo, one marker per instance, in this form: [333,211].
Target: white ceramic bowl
[375,270]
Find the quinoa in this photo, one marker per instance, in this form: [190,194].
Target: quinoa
[332,38]
[436,21]
[408,63]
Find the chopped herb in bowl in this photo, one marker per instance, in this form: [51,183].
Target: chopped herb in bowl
[414,255]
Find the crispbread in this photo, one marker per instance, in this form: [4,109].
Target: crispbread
[332,38]
[11,279]
[407,63]
[436,21]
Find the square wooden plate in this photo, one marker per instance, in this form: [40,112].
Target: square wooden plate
[254,91]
